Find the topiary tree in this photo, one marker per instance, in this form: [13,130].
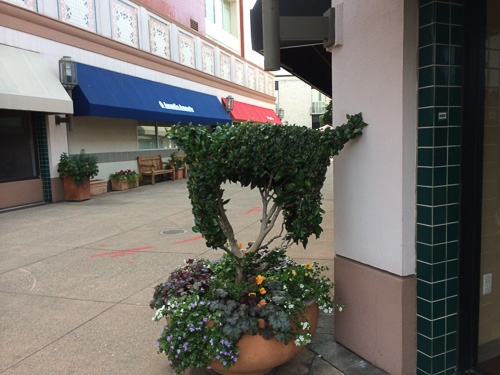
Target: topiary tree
[288,165]
[326,118]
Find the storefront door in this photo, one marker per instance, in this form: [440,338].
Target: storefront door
[488,355]
[479,289]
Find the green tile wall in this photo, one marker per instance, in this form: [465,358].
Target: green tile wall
[438,173]
[43,155]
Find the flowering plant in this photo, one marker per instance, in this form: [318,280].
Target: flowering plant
[210,305]
[207,312]
[80,167]
[128,174]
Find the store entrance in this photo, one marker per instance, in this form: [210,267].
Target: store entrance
[488,355]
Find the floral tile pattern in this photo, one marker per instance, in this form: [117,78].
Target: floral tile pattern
[251,78]
[80,13]
[225,66]
[262,82]
[29,4]
[270,85]
[239,70]
[186,50]
[124,23]
[208,59]
[159,38]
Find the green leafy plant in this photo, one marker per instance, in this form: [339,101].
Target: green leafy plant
[263,157]
[128,174]
[208,305]
[80,167]
[176,162]
[326,118]
[206,312]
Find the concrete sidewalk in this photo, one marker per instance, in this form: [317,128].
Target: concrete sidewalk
[76,279]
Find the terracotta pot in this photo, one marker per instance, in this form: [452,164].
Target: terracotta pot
[98,187]
[179,173]
[119,184]
[73,192]
[258,355]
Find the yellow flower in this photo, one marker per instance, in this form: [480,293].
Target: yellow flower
[262,291]
[294,273]
[251,294]
[259,279]
[307,274]
[308,265]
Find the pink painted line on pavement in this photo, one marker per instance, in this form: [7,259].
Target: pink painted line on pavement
[192,239]
[256,209]
[123,251]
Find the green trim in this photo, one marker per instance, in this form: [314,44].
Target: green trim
[43,155]
[438,167]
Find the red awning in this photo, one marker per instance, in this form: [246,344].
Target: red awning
[253,113]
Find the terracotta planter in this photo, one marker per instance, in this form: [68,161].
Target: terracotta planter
[73,192]
[119,184]
[98,187]
[179,173]
[258,356]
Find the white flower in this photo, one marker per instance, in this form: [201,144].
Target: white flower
[302,286]
[340,309]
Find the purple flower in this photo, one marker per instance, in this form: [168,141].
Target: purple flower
[224,363]
[156,342]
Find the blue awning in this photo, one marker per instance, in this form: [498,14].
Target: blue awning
[104,93]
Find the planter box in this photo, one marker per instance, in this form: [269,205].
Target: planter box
[98,187]
[119,184]
[73,192]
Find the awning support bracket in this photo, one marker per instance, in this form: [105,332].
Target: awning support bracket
[276,29]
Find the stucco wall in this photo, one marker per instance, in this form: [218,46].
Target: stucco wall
[294,96]
[102,134]
[375,72]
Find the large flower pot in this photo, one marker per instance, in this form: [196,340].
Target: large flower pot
[258,355]
[98,187]
[73,192]
[119,184]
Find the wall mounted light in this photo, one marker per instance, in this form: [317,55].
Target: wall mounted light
[229,104]
[281,113]
[69,79]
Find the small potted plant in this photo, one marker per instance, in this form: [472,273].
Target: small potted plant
[254,302]
[76,172]
[124,179]
[178,165]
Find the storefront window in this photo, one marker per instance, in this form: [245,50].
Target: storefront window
[17,147]
[151,135]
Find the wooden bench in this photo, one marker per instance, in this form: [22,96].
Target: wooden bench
[154,166]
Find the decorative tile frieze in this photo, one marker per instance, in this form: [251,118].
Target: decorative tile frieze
[262,82]
[187,50]
[80,13]
[124,23]
[239,70]
[29,4]
[251,77]
[225,66]
[159,37]
[208,58]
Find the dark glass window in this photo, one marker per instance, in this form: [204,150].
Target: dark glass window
[18,153]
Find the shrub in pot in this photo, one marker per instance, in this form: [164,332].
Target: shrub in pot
[76,171]
[212,306]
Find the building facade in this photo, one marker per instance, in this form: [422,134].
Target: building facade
[417,197]
[301,103]
[186,53]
